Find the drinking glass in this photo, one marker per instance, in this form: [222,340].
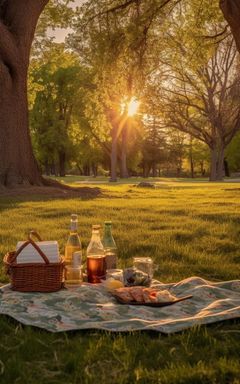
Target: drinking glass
[144,264]
[116,274]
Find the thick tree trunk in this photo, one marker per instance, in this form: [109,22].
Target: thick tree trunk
[220,163]
[18,19]
[124,170]
[231,12]
[217,163]
[17,163]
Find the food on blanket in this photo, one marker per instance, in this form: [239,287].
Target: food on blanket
[149,295]
[124,294]
[136,293]
[163,296]
[143,295]
[112,284]
[134,277]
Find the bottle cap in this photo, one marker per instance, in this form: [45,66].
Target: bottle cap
[96,227]
[107,222]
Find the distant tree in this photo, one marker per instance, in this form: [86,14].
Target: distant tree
[200,101]
[58,104]
[113,44]
[154,150]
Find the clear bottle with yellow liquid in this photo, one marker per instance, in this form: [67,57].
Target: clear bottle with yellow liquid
[73,243]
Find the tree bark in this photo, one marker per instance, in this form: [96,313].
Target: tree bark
[231,12]
[217,163]
[220,163]
[18,19]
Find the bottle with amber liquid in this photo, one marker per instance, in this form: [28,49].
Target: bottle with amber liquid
[96,261]
[73,243]
[109,246]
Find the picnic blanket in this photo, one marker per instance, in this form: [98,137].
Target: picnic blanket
[92,307]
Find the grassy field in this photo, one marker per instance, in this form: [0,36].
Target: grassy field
[188,229]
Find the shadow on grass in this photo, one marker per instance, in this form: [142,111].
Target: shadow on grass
[10,198]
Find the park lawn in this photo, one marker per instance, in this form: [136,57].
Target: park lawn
[188,229]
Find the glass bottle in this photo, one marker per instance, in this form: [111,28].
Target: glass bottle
[73,272]
[109,246]
[73,243]
[96,261]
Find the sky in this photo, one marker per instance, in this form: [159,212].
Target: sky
[61,33]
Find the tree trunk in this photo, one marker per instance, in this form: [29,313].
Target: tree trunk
[47,168]
[217,163]
[231,12]
[86,170]
[202,168]
[79,169]
[62,163]
[191,157]
[113,176]
[226,168]
[95,170]
[18,20]
[147,169]
[213,166]
[54,169]
[17,163]
[220,163]
[154,169]
[124,170]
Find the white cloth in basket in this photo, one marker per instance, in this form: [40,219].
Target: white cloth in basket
[30,255]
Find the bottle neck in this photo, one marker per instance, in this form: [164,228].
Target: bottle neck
[108,230]
[95,235]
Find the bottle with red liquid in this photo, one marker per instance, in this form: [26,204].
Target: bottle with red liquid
[96,260]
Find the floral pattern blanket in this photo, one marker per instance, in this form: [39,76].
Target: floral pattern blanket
[92,307]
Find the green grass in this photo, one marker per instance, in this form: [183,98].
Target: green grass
[188,229]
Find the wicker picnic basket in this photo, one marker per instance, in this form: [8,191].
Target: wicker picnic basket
[34,277]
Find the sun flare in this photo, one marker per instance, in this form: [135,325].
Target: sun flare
[133,106]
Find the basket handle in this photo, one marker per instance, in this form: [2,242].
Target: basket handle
[34,234]
[32,242]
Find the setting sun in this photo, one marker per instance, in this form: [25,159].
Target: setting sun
[133,106]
